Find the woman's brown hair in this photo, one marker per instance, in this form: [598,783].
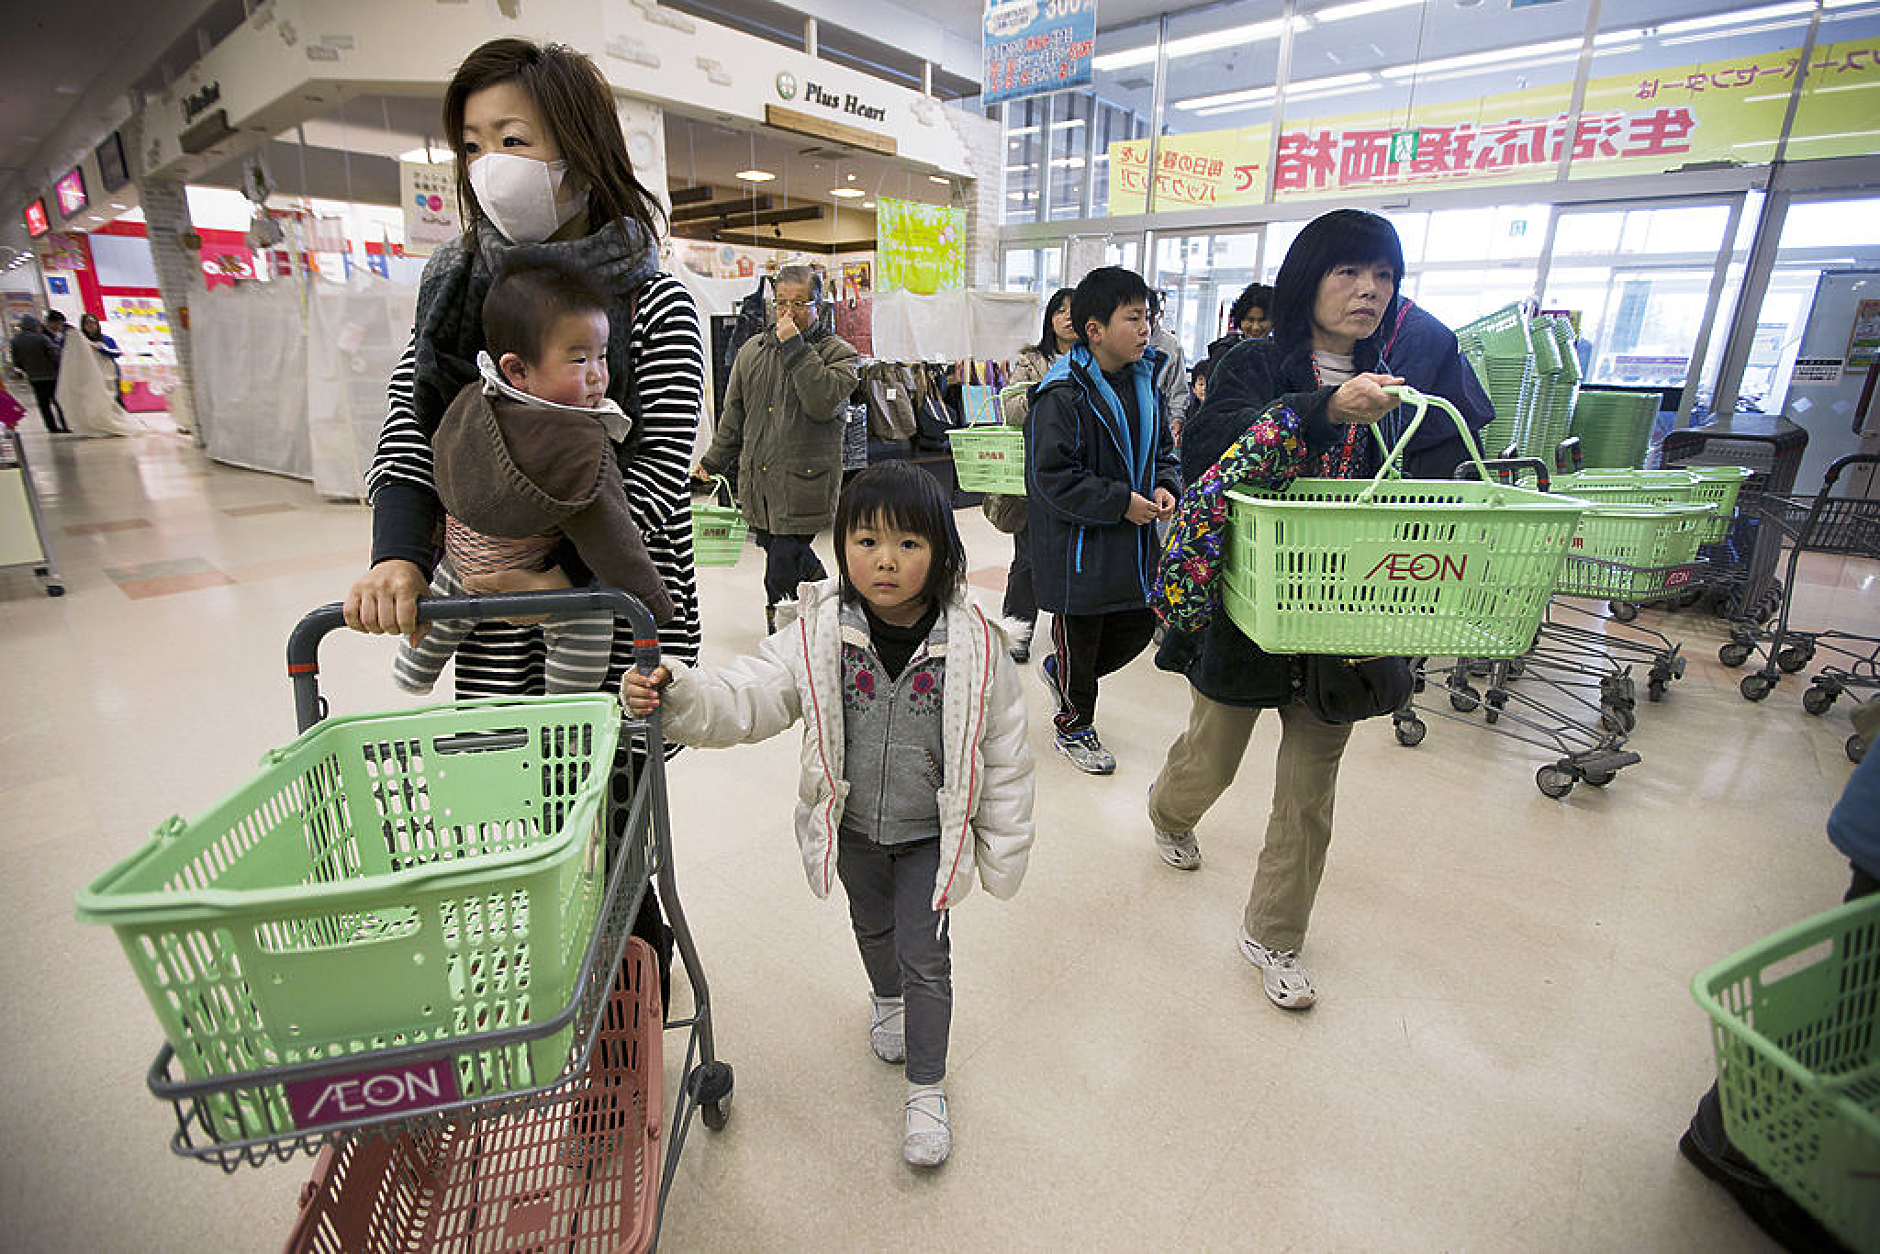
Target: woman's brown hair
[577,107]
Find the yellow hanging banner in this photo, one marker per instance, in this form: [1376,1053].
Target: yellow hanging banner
[1205,170]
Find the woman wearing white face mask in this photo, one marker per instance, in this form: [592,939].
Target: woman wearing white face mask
[541,162]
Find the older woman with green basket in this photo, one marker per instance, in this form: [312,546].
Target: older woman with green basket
[1296,404]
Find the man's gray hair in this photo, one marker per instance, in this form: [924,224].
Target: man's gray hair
[801,275]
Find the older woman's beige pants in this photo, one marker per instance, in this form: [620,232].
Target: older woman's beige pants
[1200,766]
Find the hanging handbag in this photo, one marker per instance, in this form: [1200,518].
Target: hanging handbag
[1348,690]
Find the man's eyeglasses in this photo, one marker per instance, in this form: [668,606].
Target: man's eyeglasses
[796,304]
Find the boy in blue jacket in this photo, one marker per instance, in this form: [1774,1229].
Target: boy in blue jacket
[1100,471]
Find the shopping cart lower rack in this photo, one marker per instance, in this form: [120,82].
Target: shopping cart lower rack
[507,1026]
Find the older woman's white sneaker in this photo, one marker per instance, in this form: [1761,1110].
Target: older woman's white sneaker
[1287,984]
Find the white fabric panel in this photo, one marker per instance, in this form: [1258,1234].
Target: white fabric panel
[250,358]
[123,261]
[355,334]
[950,326]
[713,296]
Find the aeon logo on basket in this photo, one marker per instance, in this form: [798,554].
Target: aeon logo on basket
[363,1094]
[1419,567]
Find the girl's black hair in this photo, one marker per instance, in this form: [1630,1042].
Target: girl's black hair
[1047,339]
[906,498]
[1341,237]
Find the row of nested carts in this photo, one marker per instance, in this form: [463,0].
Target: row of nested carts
[419,946]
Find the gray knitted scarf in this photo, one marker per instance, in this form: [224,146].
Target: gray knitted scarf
[618,258]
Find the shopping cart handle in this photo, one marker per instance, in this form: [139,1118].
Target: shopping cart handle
[1842,463]
[303,643]
[1505,469]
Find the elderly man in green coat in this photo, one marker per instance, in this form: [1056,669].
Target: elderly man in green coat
[782,422]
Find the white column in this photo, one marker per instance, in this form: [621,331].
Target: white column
[179,280]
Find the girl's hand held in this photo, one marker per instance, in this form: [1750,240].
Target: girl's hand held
[640,692]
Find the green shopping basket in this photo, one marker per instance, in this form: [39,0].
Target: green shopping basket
[1718,485]
[384,880]
[1630,487]
[718,531]
[1395,567]
[1633,553]
[1795,1022]
[989,459]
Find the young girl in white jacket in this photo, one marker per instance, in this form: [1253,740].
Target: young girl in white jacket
[915,772]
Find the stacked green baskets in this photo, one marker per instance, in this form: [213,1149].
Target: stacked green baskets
[989,459]
[1501,350]
[1552,414]
[1719,486]
[1395,567]
[1798,1063]
[384,880]
[718,531]
[1615,428]
[1639,540]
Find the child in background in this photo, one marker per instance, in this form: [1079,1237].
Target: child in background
[915,771]
[1100,471]
[526,460]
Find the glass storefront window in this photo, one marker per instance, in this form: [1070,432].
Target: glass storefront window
[1839,113]
[1388,94]
[1068,144]
[1222,61]
[1202,274]
[1033,269]
[1497,233]
[1024,157]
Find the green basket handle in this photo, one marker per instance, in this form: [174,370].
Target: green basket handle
[722,484]
[1393,455]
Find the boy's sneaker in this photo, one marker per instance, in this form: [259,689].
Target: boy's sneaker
[1178,849]
[888,1032]
[1085,751]
[1287,984]
[928,1137]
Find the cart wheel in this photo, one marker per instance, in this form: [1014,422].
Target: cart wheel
[710,1085]
[1690,597]
[1553,781]
[1617,718]
[1734,654]
[1794,657]
[1856,747]
[1598,779]
[1817,700]
[1464,699]
[1410,732]
[1623,611]
[1655,690]
[1756,687]
[55,590]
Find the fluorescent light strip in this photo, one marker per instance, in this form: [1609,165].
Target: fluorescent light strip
[1189,45]
[1523,52]
[1056,126]
[1740,17]
[1253,95]
[754,176]
[1362,8]
[1733,33]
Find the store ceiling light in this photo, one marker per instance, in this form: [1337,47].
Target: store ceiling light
[1493,56]
[847,193]
[1189,45]
[1740,17]
[755,176]
[941,179]
[1261,95]
[427,155]
[1362,8]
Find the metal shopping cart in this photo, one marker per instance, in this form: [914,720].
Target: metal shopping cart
[1736,578]
[459,845]
[1828,524]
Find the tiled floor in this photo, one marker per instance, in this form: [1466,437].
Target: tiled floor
[1503,1057]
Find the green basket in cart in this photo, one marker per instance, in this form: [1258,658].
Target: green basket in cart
[1633,552]
[989,459]
[1395,567]
[1630,487]
[383,880]
[1797,1039]
[1718,485]
[718,531]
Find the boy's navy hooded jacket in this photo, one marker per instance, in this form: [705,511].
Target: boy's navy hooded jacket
[1083,459]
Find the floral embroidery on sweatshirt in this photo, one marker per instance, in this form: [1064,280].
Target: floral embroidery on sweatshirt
[1269,453]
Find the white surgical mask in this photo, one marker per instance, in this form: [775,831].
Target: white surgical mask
[520,195]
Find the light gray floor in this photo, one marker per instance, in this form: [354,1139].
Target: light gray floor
[1503,1057]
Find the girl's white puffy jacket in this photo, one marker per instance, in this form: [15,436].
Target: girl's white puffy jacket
[985,804]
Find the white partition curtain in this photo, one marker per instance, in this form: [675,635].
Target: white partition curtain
[291,380]
[955,326]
